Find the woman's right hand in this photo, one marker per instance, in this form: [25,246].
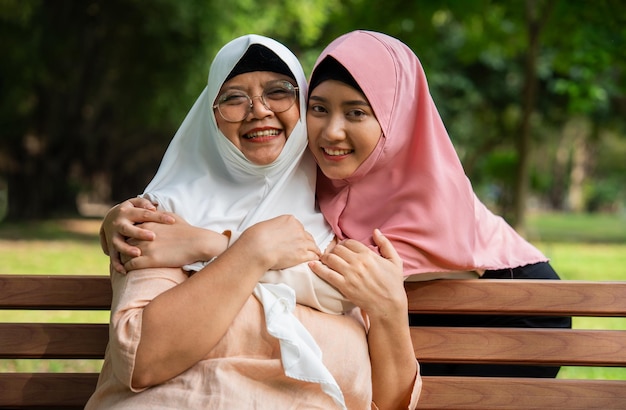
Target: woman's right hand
[281,242]
[119,224]
[175,245]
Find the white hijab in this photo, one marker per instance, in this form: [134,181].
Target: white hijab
[206,180]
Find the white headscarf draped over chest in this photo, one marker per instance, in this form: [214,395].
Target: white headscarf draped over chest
[206,180]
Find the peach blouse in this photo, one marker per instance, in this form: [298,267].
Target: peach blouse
[243,370]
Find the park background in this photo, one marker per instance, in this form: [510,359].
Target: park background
[532,93]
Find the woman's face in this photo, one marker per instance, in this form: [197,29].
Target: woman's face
[342,128]
[262,134]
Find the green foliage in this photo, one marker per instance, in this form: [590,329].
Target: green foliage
[579,228]
[94,90]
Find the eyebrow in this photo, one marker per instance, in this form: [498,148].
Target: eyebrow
[350,102]
[245,88]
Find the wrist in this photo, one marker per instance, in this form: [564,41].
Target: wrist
[215,244]
[393,316]
[252,243]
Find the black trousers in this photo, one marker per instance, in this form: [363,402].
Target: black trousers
[535,271]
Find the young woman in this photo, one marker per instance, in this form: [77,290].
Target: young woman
[386,162]
[214,338]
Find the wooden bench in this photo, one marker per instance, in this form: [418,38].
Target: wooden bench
[596,348]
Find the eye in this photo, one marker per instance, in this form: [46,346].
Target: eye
[316,108]
[356,114]
[233,98]
[279,91]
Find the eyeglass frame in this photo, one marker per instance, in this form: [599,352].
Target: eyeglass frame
[250,106]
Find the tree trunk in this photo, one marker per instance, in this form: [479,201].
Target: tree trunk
[580,130]
[535,21]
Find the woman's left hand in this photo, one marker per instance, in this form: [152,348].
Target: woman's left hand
[372,282]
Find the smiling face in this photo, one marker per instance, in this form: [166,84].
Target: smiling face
[262,135]
[342,128]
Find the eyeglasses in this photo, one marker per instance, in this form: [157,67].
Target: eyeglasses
[235,105]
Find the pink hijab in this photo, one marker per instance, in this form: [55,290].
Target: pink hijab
[413,186]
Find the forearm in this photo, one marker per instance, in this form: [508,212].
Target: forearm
[394,367]
[176,246]
[180,326]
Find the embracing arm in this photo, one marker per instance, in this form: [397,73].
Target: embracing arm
[375,284]
[120,223]
[136,234]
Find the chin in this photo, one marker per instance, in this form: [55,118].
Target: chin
[264,160]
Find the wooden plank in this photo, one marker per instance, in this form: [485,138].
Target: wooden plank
[516,296]
[53,341]
[46,390]
[520,346]
[523,394]
[55,292]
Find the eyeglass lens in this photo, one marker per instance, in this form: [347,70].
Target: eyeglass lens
[235,105]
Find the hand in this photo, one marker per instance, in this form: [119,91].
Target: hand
[281,242]
[119,224]
[174,245]
[373,282]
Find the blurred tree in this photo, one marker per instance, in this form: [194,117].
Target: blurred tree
[93,90]
[507,77]
[81,80]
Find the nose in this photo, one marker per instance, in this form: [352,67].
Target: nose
[334,129]
[258,108]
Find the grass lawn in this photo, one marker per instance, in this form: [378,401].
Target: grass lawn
[580,247]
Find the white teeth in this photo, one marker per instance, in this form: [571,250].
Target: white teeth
[264,133]
[336,152]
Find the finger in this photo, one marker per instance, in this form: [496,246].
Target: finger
[121,246]
[142,203]
[313,246]
[343,251]
[336,262]
[139,215]
[326,273]
[387,250]
[137,232]
[104,245]
[116,263]
[137,263]
[353,245]
[144,216]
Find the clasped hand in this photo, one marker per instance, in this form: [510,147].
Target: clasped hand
[373,282]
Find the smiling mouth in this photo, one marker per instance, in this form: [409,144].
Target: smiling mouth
[336,152]
[261,134]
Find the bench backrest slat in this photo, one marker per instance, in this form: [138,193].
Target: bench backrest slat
[67,391]
[490,393]
[53,341]
[520,346]
[55,292]
[518,296]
